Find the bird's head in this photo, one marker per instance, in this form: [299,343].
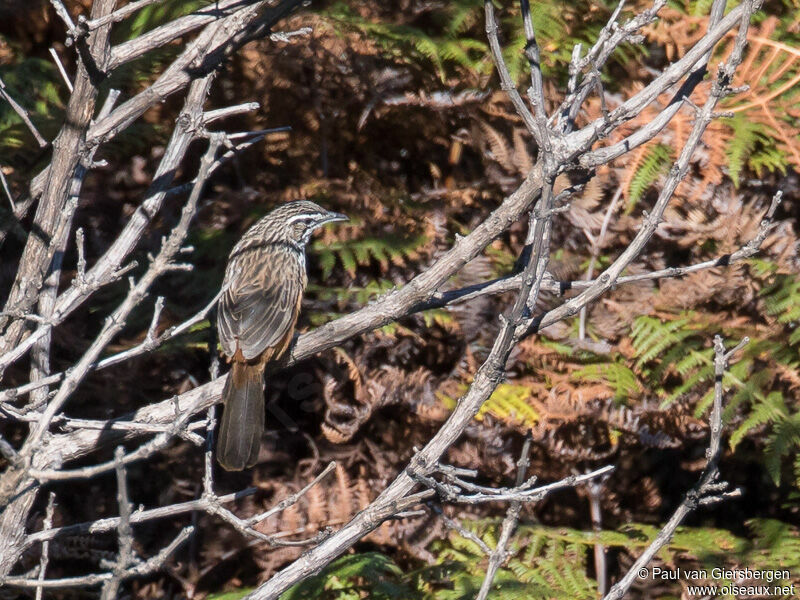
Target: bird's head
[299,219]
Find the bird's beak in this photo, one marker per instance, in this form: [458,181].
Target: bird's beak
[334,216]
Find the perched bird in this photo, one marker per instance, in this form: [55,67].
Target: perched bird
[263,286]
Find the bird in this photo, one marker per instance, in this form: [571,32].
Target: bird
[256,315]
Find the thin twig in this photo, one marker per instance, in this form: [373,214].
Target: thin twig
[506,82]
[7,190]
[499,555]
[45,559]
[124,531]
[147,567]
[117,15]
[536,91]
[23,114]
[706,491]
[678,171]
[63,14]
[145,346]
[61,69]
[160,264]
[458,528]
[138,516]
[596,246]
[107,268]
[595,491]
[222,113]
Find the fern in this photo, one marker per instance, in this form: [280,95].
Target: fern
[541,565]
[782,299]
[547,563]
[453,36]
[665,347]
[741,145]
[772,70]
[508,404]
[767,157]
[345,294]
[354,253]
[370,574]
[651,336]
[784,440]
[777,545]
[656,162]
[621,378]
[410,44]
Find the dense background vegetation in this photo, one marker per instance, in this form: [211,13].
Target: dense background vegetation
[397,119]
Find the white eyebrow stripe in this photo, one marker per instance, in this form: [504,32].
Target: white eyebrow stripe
[301,216]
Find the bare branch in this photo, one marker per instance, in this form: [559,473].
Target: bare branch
[595,489]
[45,559]
[526,492]
[68,149]
[147,567]
[117,15]
[149,344]
[583,139]
[610,38]
[499,555]
[63,14]
[456,526]
[138,516]
[7,190]
[124,531]
[23,114]
[707,490]
[287,37]
[536,91]
[62,71]
[229,111]
[163,35]
[676,175]
[114,323]
[107,268]
[505,77]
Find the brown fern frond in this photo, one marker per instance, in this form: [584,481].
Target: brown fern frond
[499,147]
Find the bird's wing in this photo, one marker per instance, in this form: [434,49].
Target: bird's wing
[259,308]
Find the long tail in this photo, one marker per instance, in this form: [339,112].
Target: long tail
[243,417]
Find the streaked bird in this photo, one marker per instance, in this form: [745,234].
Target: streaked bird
[263,287]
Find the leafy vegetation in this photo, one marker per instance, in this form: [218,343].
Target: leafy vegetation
[544,563]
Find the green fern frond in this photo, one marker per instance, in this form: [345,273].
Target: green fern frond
[785,439]
[656,162]
[782,298]
[768,157]
[651,336]
[777,545]
[509,404]
[353,293]
[354,253]
[353,576]
[616,374]
[741,145]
